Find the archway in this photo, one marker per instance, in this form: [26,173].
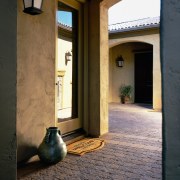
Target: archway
[98,67]
[127,75]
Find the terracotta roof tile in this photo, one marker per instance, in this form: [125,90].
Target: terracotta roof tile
[64,26]
[135,25]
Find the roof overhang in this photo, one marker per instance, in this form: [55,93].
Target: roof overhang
[135,29]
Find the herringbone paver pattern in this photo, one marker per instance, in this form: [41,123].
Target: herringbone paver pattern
[132,151]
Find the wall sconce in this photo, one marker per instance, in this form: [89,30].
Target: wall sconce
[119,61]
[33,7]
[67,57]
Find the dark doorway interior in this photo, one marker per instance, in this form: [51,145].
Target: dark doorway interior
[143,77]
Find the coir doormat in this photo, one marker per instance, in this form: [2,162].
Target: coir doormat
[85,145]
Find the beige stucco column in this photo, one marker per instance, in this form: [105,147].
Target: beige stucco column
[98,69]
[157,102]
[98,66]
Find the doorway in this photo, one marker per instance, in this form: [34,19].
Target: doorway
[144,77]
[68,67]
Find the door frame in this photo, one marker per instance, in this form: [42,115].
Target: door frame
[72,124]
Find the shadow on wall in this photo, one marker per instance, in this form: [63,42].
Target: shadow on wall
[25,150]
[30,162]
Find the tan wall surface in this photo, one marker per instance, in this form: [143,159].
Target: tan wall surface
[63,47]
[151,39]
[111,64]
[104,70]
[35,77]
[157,84]
[124,75]
[98,68]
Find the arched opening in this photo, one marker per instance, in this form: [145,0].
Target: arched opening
[141,70]
[135,56]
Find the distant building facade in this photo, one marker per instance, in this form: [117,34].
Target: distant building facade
[139,45]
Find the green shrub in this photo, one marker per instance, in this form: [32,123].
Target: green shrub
[125,90]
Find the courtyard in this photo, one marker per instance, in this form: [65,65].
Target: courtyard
[133,150]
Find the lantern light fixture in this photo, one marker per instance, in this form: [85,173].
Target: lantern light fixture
[119,61]
[33,7]
[67,57]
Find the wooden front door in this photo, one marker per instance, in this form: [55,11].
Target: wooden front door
[143,77]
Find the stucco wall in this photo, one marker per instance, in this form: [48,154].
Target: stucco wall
[170,43]
[157,82]
[124,75]
[111,64]
[8,58]
[35,77]
[63,47]
[98,70]
[150,38]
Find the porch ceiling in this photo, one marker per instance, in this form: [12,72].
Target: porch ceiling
[82,1]
[109,3]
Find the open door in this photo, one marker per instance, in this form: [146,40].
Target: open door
[143,77]
[68,67]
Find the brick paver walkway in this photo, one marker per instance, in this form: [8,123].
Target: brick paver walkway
[132,150]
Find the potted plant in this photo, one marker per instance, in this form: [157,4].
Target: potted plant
[125,92]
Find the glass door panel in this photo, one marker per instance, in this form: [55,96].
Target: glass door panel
[67,68]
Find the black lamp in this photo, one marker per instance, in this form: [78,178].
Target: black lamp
[119,61]
[67,57]
[33,7]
